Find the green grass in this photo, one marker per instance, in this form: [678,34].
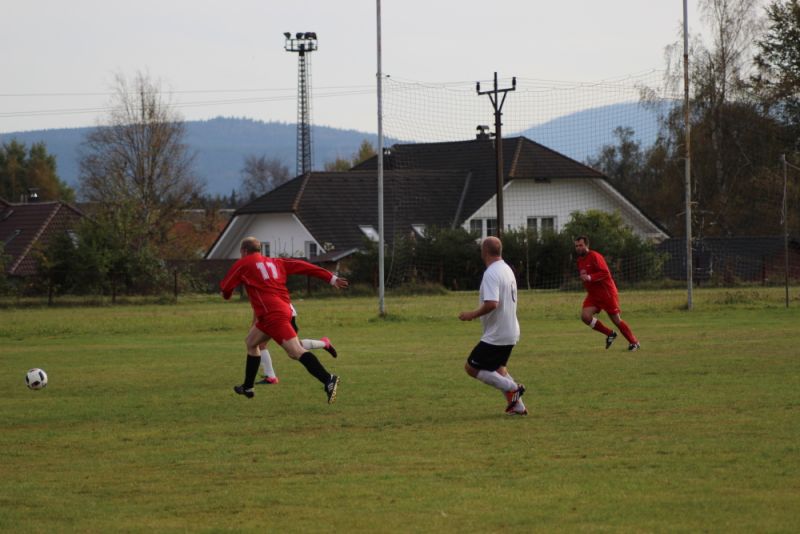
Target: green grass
[139,430]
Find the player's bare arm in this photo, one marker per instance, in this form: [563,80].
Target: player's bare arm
[488,306]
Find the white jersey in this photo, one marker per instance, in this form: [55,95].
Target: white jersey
[500,326]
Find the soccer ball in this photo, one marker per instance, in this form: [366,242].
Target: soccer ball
[36,379]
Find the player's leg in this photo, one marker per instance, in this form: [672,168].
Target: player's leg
[296,351]
[266,364]
[322,343]
[515,404]
[312,344]
[589,318]
[255,337]
[633,343]
[484,364]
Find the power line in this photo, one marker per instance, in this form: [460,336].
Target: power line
[352,91]
[186,91]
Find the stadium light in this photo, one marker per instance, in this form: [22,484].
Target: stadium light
[303,44]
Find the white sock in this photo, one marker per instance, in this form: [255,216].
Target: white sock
[266,363]
[496,380]
[310,344]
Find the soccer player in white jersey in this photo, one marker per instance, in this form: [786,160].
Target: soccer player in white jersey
[498,313]
[269,376]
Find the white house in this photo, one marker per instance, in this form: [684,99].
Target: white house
[427,184]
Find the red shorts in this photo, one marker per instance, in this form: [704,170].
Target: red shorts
[277,325]
[608,304]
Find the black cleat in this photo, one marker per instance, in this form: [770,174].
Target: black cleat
[610,339]
[633,347]
[330,388]
[247,392]
[329,346]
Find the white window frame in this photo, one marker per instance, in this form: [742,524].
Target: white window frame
[486,233]
[535,223]
[369,231]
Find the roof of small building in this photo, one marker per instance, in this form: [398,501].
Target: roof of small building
[22,226]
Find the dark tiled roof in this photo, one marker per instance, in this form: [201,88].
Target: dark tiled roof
[437,184]
[279,200]
[523,159]
[332,205]
[24,225]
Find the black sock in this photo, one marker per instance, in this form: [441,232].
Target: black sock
[313,366]
[251,370]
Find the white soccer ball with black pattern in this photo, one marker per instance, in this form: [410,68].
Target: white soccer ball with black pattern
[36,379]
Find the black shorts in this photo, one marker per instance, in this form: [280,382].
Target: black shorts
[489,357]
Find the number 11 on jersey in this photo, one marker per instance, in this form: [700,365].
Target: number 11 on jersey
[262,267]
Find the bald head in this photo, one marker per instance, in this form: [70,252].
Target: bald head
[491,249]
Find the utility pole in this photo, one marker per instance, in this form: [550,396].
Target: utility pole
[687,171]
[381,242]
[497,104]
[303,43]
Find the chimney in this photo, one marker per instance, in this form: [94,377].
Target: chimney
[483,132]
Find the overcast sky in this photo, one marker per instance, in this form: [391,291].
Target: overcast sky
[226,58]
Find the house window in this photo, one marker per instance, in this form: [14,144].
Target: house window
[311,249]
[419,229]
[476,227]
[541,225]
[491,227]
[370,232]
[265,248]
[483,227]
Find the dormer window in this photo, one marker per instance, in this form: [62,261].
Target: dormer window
[369,231]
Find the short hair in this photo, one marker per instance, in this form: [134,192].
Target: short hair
[582,238]
[250,245]
[493,246]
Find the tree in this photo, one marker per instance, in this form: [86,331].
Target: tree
[261,175]
[630,258]
[22,170]
[622,163]
[364,152]
[137,166]
[736,144]
[778,62]
[338,165]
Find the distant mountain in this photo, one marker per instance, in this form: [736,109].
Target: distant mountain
[582,134]
[222,144]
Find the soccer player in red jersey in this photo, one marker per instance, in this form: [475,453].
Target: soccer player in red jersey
[264,279]
[602,294]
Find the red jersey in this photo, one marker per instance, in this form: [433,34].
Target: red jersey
[265,281]
[601,287]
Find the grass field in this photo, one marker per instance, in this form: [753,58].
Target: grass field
[139,429]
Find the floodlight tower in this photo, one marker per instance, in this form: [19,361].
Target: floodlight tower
[303,43]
